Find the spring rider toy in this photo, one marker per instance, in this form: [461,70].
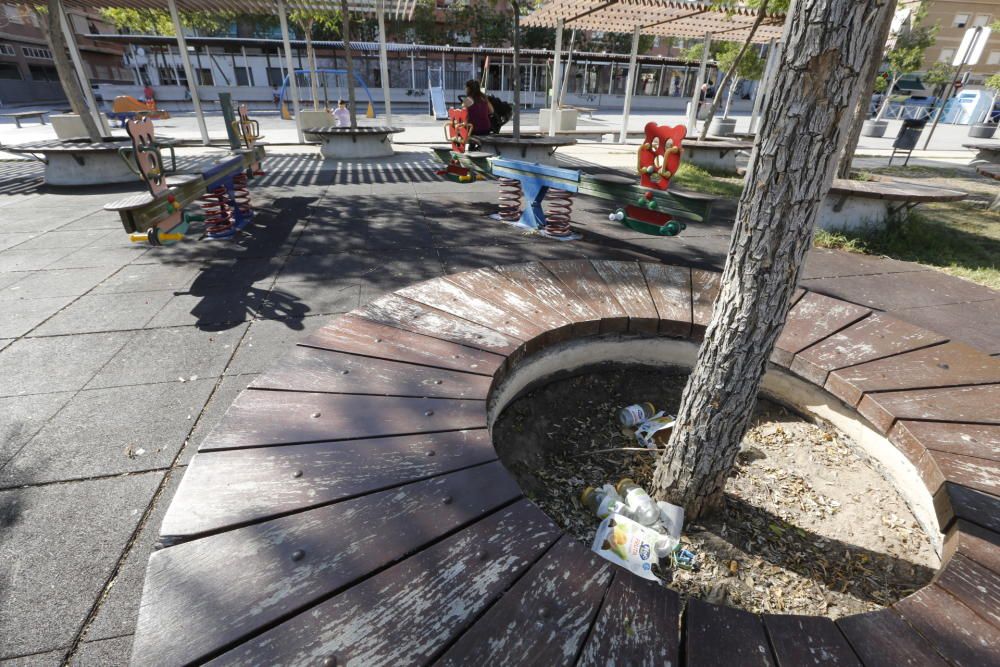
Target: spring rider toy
[658,159]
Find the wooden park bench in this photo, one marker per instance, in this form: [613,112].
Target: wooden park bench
[365,141]
[18,116]
[530,148]
[350,507]
[582,110]
[859,205]
[77,162]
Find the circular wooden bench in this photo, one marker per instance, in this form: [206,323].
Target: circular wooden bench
[986,151]
[350,508]
[540,149]
[717,155]
[859,205]
[342,143]
[70,163]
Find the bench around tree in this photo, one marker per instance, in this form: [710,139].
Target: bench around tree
[344,143]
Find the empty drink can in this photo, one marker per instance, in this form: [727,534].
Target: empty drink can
[633,415]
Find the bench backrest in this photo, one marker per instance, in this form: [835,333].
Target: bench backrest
[660,155]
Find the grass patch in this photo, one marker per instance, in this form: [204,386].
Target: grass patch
[694,178]
[916,171]
[957,238]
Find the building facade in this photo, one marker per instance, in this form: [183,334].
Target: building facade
[954,18]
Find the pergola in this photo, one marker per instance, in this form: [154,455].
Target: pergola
[402,9]
[658,18]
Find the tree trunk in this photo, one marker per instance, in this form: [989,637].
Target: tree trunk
[64,68]
[888,97]
[761,13]
[307,27]
[861,109]
[729,99]
[816,86]
[345,35]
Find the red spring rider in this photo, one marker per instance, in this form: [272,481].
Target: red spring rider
[457,131]
[658,159]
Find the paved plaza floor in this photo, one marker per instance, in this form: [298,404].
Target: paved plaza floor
[116,359]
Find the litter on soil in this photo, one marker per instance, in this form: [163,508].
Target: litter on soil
[809,525]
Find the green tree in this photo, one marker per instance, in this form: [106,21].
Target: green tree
[992,83]
[907,55]
[157,21]
[309,21]
[938,76]
[750,67]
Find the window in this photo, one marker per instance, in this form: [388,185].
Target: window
[993,58]
[947,55]
[275,77]
[982,20]
[244,77]
[37,53]
[9,71]
[204,76]
[43,73]
[6,50]
[961,20]
[167,77]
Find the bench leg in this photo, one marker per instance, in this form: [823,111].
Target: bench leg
[17,121]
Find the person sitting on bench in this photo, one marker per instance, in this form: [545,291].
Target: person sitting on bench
[479,107]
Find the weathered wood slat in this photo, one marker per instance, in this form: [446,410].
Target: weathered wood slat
[705,286]
[581,278]
[638,625]
[808,640]
[506,295]
[670,287]
[975,543]
[875,337]
[724,636]
[357,335]
[309,369]
[204,595]
[535,279]
[627,282]
[945,365]
[980,441]
[811,319]
[410,611]
[956,632]
[450,298]
[974,585]
[259,418]
[411,316]
[883,639]
[978,404]
[232,487]
[544,619]
[980,474]
[958,501]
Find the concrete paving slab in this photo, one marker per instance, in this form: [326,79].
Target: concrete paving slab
[75,238]
[103,652]
[309,298]
[59,544]
[225,393]
[267,340]
[55,282]
[21,417]
[30,260]
[60,363]
[149,277]
[139,428]
[98,220]
[84,257]
[46,659]
[14,240]
[22,315]
[415,264]
[106,312]
[213,310]
[165,355]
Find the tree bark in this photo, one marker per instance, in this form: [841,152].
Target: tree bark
[345,35]
[816,87]
[761,13]
[307,27]
[861,109]
[64,68]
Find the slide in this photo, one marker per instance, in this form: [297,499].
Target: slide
[438,108]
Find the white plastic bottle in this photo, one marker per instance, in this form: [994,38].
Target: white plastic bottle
[641,507]
[603,502]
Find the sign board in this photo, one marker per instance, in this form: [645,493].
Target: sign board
[972,46]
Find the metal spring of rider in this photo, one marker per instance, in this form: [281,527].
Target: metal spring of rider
[510,199]
[558,213]
[241,195]
[218,215]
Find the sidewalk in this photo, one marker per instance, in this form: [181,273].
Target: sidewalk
[117,359]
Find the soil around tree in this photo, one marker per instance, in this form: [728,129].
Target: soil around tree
[809,525]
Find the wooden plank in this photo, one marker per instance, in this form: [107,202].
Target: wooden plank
[509,297]
[945,365]
[309,369]
[627,282]
[956,632]
[357,335]
[259,418]
[883,639]
[979,405]
[638,625]
[874,337]
[670,287]
[705,286]
[450,298]
[973,542]
[724,636]
[538,281]
[395,311]
[810,320]
[232,487]
[581,278]
[980,441]
[807,640]
[220,589]
[980,474]
[957,501]
[409,612]
[544,619]
[974,585]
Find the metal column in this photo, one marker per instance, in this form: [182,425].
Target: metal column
[188,72]
[289,67]
[383,62]
[630,83]
[556,79]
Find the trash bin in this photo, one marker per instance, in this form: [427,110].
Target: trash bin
[907,138]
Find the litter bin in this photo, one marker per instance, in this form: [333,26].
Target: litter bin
[907,138]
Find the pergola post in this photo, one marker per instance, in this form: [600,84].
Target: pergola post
[692,120]
[289,67]
[383,61]
[556,79]
[630,82]
[517,70]
[81,73]
[188,71]
[762,87]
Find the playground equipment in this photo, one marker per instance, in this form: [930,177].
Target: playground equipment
[657,161]
[435,99]
[161,217]
[458,131]
[126,107]
[283,103]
